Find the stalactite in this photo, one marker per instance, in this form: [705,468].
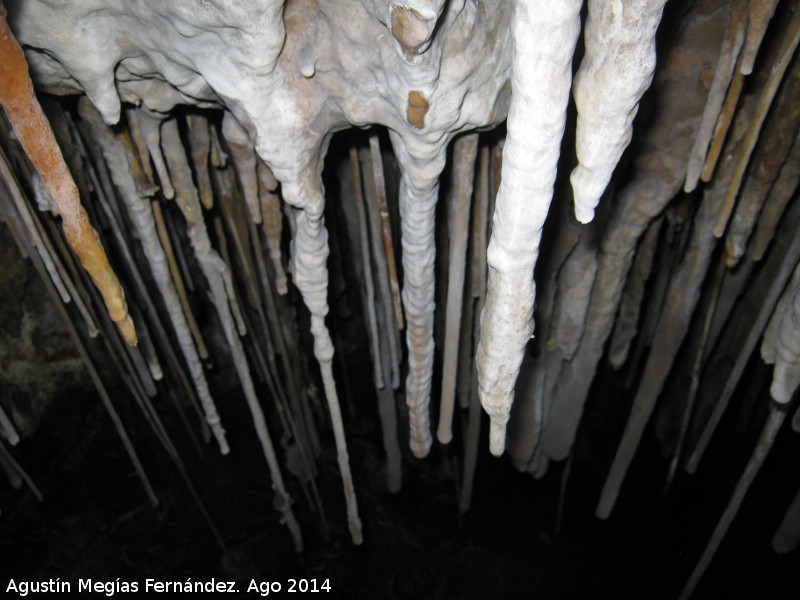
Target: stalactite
[368,292]
[8,459]
[789,43]
[7,428]
[141,215]
[213,267]
[544,38]
[272,222]
[465,150]
[781,192]
[200,144]
[788,256]
[787,537]
[419,188]
[619,38]
[770,431]
[781,345]
[682,297]
[660,166]
[386,227]
[761,12]
[697,365]
[244,157]
[311,277]
[36,137]
[476,280]
[381,267]
[780,129]
[625,325]
[177,279]
[387,411]
[723,72]
[150,127]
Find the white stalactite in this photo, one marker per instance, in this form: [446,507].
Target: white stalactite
[141,215]
[311,277]
[544,36]
[419,191]
[617,69]
[783,335]
[214,270]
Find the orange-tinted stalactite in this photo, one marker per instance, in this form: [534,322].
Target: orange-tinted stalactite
[36,137]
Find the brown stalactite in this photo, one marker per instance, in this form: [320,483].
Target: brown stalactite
[660,167]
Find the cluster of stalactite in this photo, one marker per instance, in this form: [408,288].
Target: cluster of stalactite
[197,178]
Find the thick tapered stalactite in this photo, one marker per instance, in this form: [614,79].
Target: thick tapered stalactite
[761,12]
[33,131]
[544,38]
[682,296]
[311,278]
[657,173]
[419,189]
[617,69]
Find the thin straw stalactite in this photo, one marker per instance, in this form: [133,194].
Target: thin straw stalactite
[775,419]
[465,150]
[723,72]
[118,157]
[386,226]
[366,264]
[311,277]
[789,43]
[381,266]
[787,257]
[682,297]
[213,269]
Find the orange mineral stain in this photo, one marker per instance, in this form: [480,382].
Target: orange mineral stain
[36,137]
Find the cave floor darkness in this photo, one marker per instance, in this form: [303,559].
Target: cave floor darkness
[96,523]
